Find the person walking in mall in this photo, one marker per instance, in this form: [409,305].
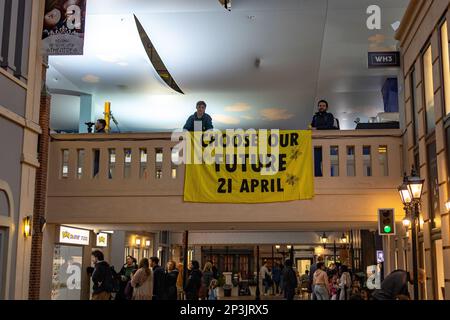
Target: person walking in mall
[200,120]
[142,281]
[207,277]
[312,270]
[289,280]
[194,281]
[323,120]
[320,282]
[102,277]
[158,279]
[170,282]
[125,276]
[266,277]
[345,283]
[276,277]
[395,285]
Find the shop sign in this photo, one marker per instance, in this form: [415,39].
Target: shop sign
[74,236]
[102,239]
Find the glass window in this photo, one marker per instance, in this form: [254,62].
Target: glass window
[175,158]
[350,161]
[65,163]
[127,163]
[433,185]
[143,163]
[4,204]
[367,161]
[429,90]
[414,113]
[112,163]
[383,160]
[158,163]
[334,161]
[439,263]
[445,66]
[318,161]
[80,163]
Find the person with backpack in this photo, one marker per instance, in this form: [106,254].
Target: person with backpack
[102,277]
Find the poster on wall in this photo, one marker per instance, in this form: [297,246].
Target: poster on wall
[73,236]
[64,27]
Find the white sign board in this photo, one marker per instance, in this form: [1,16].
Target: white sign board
[102,239]
[74,236]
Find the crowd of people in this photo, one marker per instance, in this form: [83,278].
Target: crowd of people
[147,280]
[335,282]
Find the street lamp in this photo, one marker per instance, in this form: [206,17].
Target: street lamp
[410,192]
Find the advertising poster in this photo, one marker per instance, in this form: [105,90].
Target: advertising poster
[64,23]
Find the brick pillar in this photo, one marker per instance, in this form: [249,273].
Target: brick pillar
[40,197]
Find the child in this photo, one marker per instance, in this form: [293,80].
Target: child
[334,287]
[213,293]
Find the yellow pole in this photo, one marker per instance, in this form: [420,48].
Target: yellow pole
[107,115]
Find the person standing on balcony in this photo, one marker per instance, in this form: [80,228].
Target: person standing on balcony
[100,126]
[200,117]
[323,120]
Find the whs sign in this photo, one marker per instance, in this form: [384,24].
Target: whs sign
[384,59]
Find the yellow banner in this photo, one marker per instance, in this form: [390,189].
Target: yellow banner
[264,166]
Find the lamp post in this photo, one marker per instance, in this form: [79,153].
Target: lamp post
[410,192]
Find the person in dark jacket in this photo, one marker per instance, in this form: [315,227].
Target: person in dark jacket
[395,285]
[276,277]
[125,276]
[100,126]
[101,277]
[170,282]
[323,120]
[199,121]
[289,280]
[158,279]
[194,281]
